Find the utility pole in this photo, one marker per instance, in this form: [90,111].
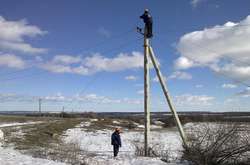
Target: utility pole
[166,93]
[148,52]
[40,105]
[146,94]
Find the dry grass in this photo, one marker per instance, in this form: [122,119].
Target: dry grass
[224,144]
[43,139]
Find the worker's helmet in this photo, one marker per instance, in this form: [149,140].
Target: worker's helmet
[146,10]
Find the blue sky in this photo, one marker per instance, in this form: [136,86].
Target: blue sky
[86,55]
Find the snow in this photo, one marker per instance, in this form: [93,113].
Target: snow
[98,142]
[125,160]
[18,124]
[116,122]
[1,137]
[84,124]
[10,156]
[152,126]
[159,123]
[93,120]
[140,126]
[155,126]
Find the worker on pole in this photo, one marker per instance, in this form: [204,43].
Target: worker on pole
[148,20]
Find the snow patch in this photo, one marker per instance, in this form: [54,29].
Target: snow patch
[125,160]
[84,124]
[93,120]
[1,137]
[116,122]
[99,143]
[155,126]
[18,124]
[9,156]
[158,122]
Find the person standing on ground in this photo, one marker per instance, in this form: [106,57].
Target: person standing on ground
[116,141]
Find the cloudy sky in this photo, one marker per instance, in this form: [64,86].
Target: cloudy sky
[87,56]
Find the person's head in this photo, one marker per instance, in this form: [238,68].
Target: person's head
[146,11]
[118,130]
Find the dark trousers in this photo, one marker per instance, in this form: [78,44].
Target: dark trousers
[115,149]
[149,30]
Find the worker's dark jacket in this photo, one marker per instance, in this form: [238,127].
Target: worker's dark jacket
[116,139]
[148,20]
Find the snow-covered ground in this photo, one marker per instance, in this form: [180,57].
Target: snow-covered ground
[125,160]
[98,142]
[1,137]
[2,125]
[10,156]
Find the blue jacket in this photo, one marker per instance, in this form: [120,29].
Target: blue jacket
[116,139]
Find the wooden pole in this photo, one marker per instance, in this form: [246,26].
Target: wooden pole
[167,96]
[146,94]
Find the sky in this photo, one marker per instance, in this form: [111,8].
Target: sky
[86,55]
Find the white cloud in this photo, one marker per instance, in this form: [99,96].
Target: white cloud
[189,99]
[94,98]
[5,97]
[195,3]
[244,93]
[229,86]
[223,48]
[104,32]
[175,75]
[230,101]
[60,68]
[121,62]
[140,92]
[11,61]
[21,47]
[132,101]
[155,79]
[12,34]
[131,77]
[95,63]
[183,63]
[180,75]
[66,59]
[199,86]
[57,97]
[13,97]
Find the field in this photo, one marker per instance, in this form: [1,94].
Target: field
[85,138]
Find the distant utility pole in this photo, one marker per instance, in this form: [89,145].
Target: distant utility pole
[40,105]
